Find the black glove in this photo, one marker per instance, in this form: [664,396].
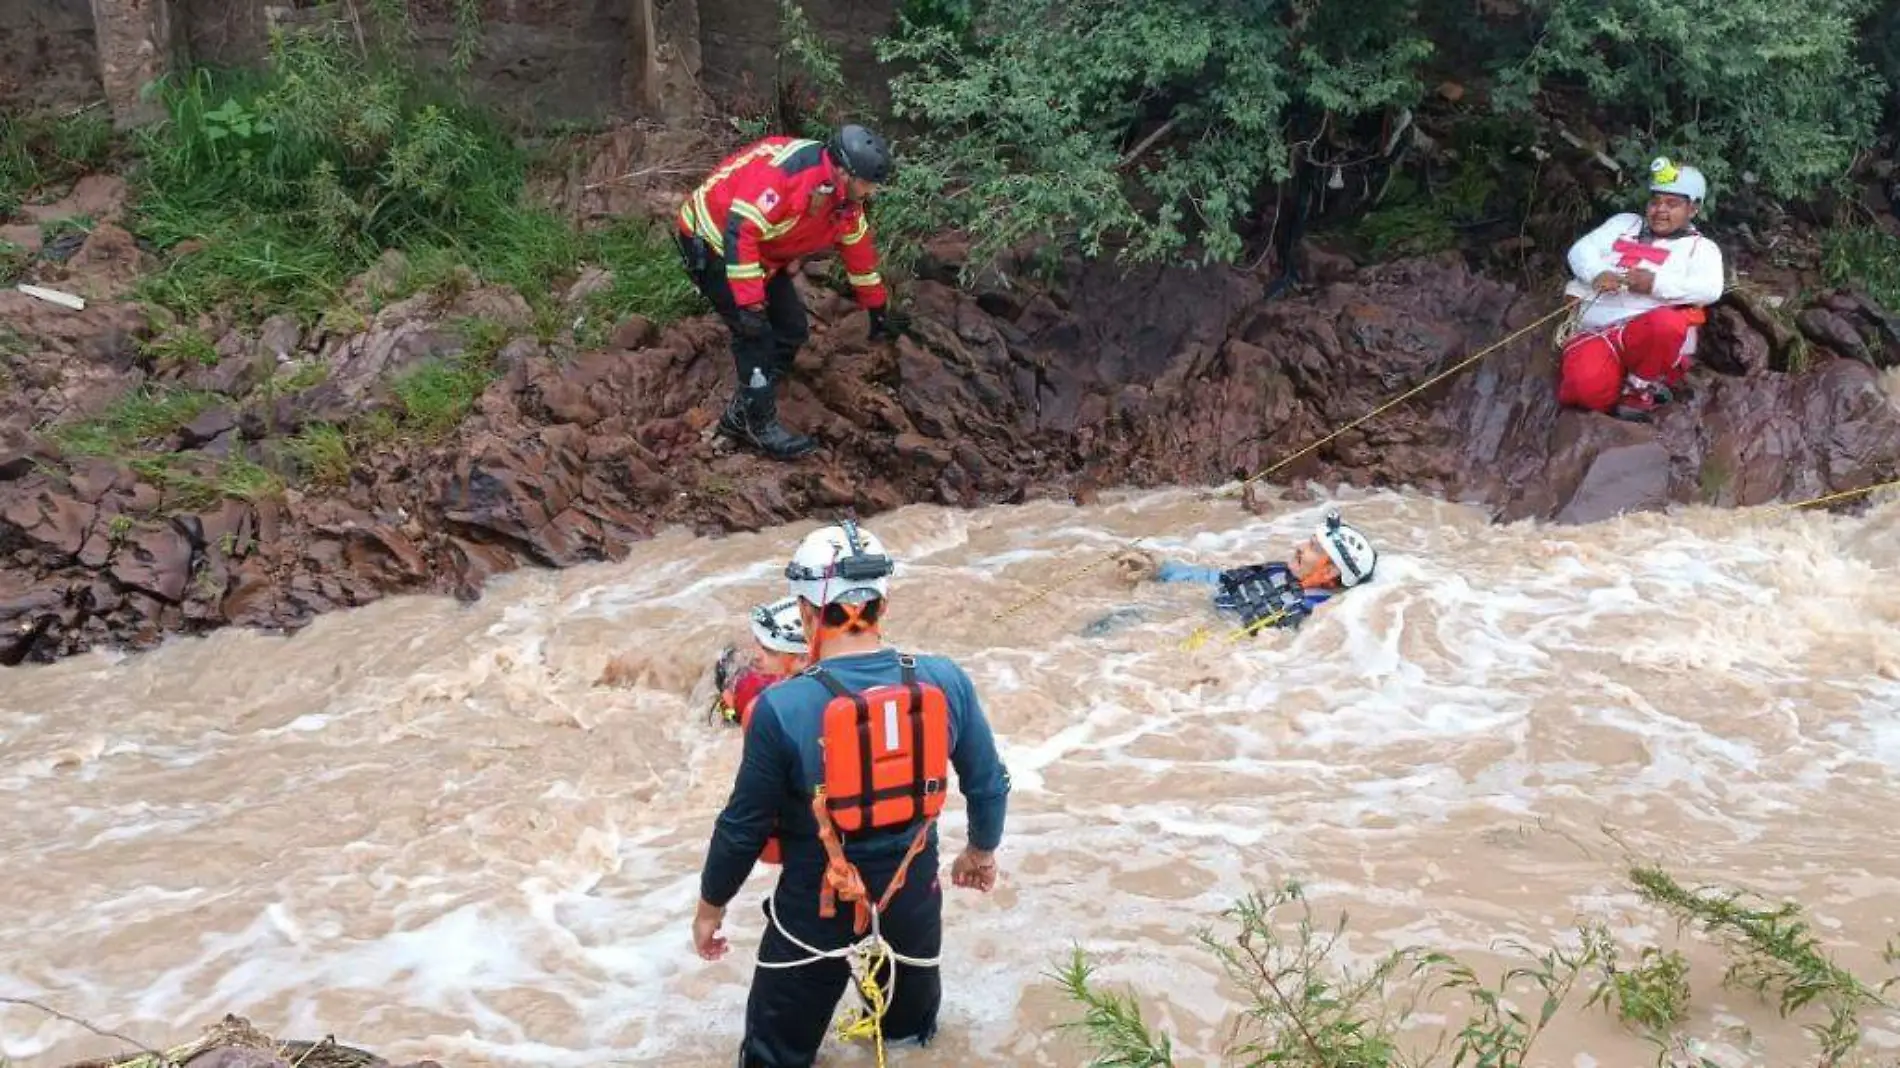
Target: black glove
[753,323]
[888,322]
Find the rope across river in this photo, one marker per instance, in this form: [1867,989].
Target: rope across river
[1042,592]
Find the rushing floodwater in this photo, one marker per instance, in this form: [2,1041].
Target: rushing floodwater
[427,828]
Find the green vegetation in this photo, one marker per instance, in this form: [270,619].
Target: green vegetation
[322,452]
[42,151]
[1304,1010]
[1164,129]
[1864,258]
[140,427]
[1170,130]
[289,183]
[134,422]
[269,190]
[435,396]
[1755,91]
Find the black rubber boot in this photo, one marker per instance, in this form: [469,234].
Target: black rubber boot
[751,419]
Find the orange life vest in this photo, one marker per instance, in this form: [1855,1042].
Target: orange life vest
[886,753]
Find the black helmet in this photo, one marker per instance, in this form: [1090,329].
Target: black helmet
[861,153]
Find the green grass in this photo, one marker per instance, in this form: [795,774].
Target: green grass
[647,281]
[269,190]
[435,396]
[272,190]
[37,152]
[193,481]
[181,347]
[322,453]
[137,420]
[136,430]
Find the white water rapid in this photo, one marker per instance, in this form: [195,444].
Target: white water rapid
[429,829]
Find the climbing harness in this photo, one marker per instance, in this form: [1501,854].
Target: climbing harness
[864,957]
[871,951]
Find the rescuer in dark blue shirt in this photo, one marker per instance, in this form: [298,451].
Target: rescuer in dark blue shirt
[856,816]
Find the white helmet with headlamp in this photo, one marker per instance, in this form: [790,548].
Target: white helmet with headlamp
[839,564]
[1349,550]
[1666,177]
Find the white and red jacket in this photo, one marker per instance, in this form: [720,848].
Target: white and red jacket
[1687,266]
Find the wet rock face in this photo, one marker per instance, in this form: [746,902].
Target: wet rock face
[1159,377]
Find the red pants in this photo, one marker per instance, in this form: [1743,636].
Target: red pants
[1596,366]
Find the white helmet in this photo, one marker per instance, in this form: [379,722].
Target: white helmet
[1350,551]
[839,564]
[1666,177]
[777,626]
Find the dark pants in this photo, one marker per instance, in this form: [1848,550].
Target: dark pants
[790,1009]
[771,354]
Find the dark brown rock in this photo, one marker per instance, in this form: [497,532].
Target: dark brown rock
[569,459]
[155,559]
[634,332]
[33,513]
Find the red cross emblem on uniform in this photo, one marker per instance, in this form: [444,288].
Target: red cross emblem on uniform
[1630,253]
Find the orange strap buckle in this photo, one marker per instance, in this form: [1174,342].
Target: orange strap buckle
[842,878]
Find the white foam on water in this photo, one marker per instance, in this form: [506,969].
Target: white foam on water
[427,826]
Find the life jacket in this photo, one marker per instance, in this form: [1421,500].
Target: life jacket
[886,755]
[1264,595]
[743,692]
[739,697]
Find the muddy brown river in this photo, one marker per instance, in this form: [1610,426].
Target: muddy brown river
[428,828]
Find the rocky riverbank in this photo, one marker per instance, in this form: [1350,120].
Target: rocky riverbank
[997,395]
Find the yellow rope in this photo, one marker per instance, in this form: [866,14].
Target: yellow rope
[1413,392]
[1054,586]
[1044,591]
[868,1022]
[1203,633]
[1841,496]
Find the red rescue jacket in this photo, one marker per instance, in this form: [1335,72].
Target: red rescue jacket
[773,202]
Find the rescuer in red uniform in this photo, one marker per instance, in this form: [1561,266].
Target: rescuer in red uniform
[765,207]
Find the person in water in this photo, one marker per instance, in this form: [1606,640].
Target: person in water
[778,652]
[1337,557]
[848,762]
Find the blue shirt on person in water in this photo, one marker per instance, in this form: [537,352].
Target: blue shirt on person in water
[782,766]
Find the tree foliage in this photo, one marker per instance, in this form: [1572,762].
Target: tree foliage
[1135,122]
[1755,90]
[1155,128]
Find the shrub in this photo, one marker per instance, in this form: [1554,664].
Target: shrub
[1747,89]
[1141,126]
[1151,129]
[1307,1010]
[290,181]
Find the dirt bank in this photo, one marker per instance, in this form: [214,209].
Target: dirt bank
[1163,376]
